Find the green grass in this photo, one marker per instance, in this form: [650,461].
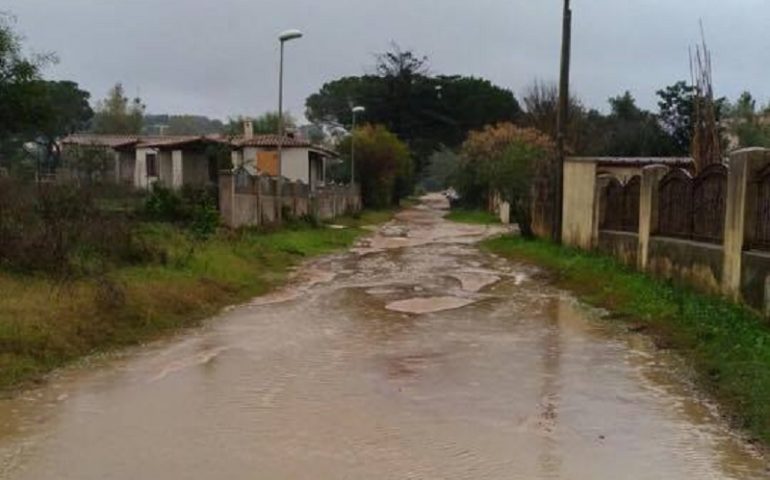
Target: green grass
[365,218]
[45,324]
[476,217]
[727,344]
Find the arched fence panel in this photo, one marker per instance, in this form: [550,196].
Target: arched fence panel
[709,191]
[675,205]
[631,194]
[761,233]
[619,205]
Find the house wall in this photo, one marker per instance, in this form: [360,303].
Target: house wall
[295,162]
[195,169]
[165,169]
[126,167]
[621,245]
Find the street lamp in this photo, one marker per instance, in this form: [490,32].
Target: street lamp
[284,37]
[358,109]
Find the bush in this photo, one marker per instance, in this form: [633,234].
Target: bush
[383,166]
[194,207]
[506,160]
[58,229]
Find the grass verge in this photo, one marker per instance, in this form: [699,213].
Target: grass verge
[45,324]
[727,344]
[476,217]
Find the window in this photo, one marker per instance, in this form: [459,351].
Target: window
[152,165]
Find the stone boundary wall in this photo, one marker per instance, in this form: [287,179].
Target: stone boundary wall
[734,265]
[248,200]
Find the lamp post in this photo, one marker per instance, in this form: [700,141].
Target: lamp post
[284,37]
[358,109]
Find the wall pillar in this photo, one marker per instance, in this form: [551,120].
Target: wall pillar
[743,163]
[177,171]
[648,209]
[578,203]
[140,169]
[601,183]
[117,167]
[227,197]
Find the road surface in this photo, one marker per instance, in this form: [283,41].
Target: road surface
[413,356]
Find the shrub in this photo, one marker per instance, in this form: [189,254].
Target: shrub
[504,159]
[383,166]
[194,207]
[58,229]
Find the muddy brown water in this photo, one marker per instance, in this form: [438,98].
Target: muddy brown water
[500,376]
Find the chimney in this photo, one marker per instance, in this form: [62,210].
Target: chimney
[248,129]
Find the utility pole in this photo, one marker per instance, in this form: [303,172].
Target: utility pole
[562,119]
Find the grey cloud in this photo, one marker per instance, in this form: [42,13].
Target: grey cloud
[220,57]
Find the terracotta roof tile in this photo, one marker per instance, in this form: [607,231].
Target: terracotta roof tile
[167,141]
[112,141]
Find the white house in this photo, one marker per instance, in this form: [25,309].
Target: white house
[301,159]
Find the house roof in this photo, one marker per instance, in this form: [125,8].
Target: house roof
[272,141]
[112,141]
[170,141]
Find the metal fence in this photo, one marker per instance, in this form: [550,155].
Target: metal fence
[621,205]
[761,233]
[693,208]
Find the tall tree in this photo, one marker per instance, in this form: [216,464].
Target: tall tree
[423,110]
[747,123]
[633,132]
[677,107]
[181,125]
[18,92]
[383,165]
[116,114]
[62,109]
[264,124]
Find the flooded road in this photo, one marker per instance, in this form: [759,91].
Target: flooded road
[414,356]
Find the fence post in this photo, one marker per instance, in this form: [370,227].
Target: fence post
[741,167]
[648,209]
[226,197]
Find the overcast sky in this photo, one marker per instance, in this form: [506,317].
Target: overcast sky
[220,57]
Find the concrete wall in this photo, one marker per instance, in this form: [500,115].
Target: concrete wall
[256,202]
[695,263]
[622,245]
[579,191]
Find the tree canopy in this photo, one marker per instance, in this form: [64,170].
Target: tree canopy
[504,159]
[266,123]
[117,114]
[423,110]
[383,165]
[182,124]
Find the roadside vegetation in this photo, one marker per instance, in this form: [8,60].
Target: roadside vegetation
[476,217]
[727,344]
[77,277]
